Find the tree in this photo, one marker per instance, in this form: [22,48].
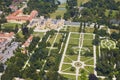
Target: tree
[54,75]
[16,29]
[1,67]
[24,30]
[96,41]
[55,44]
[88,53]
[72,69]
[58,17]
[48,44]
[115,36]
[102,33]
[83,76]
[0,27]
[118,44]
[92,77]
[51,61]
[71,52]
[43,7]
[6,76]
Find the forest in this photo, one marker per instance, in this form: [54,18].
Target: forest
[42,6]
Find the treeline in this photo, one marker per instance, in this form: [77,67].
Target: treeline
[108,63]
[44,7]
[99,12]
[106,4]
[4,6]
[72,11]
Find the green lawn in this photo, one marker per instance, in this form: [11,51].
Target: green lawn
[10,25]
[81,2]
[57,12]
[51,39]
[88,36]
[73,29]
[69,71]
[87,43]
[82,71]
[65,66]
[114,12]
[40,34]
[90,69]
[83,58]
[20,34]
[58,38]
[74,41]
[66,59]
[117,0]
[73,57]
[70,77]
[90,62]
[74,35]
[97,50]
[89,30]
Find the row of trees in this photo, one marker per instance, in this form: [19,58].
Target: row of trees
[41,54]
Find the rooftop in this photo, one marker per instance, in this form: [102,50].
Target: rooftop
[28,41]
[18,15]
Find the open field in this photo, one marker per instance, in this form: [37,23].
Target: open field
[57,13]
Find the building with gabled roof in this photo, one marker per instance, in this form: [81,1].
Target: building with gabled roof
[27,42]
[19,17]
[5,39]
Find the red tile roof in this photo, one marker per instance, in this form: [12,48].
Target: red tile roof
[14,16]
[5,36]
[27,43]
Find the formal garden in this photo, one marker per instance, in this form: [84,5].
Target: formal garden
[78,58]
[106,43]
